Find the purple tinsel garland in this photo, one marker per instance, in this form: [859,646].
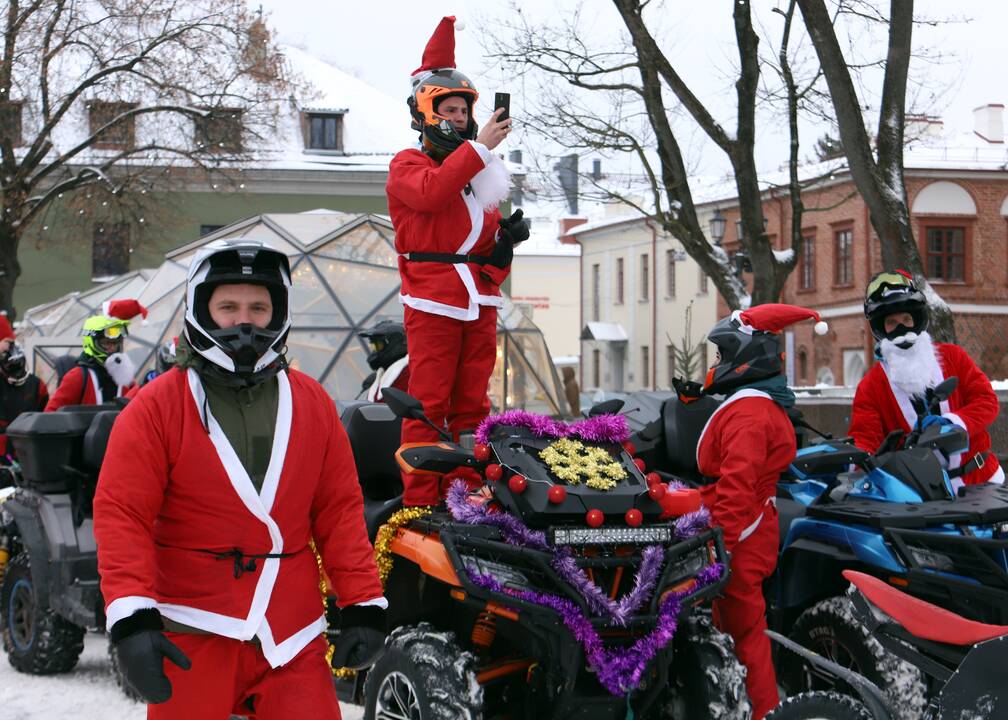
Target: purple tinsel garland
[602,428]
[618,670]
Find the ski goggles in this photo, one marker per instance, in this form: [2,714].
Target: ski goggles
[113,332]
[888,280]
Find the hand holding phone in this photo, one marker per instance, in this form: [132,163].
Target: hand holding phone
[503,100]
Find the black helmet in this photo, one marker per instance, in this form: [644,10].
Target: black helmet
[244,349]
[13,365]
[894,291]
[438,134]
[388,343]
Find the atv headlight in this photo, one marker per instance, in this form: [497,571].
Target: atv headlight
[652,535]
[506,575]
[691,564]
[931,559]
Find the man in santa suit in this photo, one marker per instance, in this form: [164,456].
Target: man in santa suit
[103,371]
[746,444]
[454,250]
[388,359]
[909,363]
[217,477]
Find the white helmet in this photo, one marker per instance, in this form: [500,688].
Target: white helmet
[244,349]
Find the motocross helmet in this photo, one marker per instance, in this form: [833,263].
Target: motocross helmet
[249,351]
[744,357]
[437,133]
[13,365]
[388,343]
[894,291]
[103,335]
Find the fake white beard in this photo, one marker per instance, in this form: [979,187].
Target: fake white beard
[912,369]
[492,183]
[120,368]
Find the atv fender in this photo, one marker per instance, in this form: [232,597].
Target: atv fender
[809,570]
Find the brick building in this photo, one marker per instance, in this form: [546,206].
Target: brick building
[958,195]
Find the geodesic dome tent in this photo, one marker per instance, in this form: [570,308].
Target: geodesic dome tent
[345,279]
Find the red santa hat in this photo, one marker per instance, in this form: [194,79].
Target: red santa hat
[123,309]
[6,331]
[440,50]
[774,317]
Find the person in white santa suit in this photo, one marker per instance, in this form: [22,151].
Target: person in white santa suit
[103,371]
[217,477]
[454,250]
[909,363]
[746,444]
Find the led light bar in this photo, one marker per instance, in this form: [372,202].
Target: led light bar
[650,535]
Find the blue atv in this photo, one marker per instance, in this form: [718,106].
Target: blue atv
[893,514]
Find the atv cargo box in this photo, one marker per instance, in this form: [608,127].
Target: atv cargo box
[46,442]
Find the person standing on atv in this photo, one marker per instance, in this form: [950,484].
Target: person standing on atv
[217,478]
[22,391]
[746,444]
[388,358]
[454,250]
[103,371]
[909,363]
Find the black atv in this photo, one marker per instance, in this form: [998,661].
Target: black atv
[49,593]
[470,635]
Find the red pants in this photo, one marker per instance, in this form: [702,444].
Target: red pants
[226,673]
[450,366]
[742,611]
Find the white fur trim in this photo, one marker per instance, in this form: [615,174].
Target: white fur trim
[955,459]
[378,601]
[384,377]
[471,312]
[492,184]
[125,606]
[998,477]
[743,325]
[283,653]
[97,387]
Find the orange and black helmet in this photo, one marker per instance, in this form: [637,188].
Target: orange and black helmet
[437,132]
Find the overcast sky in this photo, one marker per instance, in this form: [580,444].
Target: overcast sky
[381,42]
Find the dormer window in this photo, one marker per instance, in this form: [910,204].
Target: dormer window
[122,135]
[219,131]
[10,122]
[324,130]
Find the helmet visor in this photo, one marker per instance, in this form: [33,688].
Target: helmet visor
[114,332]
[888,281]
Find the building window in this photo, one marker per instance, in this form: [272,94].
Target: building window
[619,281]
[324,131]
[109,250]
[670,273]
[219,131]
[703,281]
[207,229]
[946,254]
[595,292]
[843,258]
[645,276]
[596,369]
[645,357]
[806,264]
[10,121]
[122,135]
[703,360]
[802,365]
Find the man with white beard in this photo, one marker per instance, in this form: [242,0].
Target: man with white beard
[909,362]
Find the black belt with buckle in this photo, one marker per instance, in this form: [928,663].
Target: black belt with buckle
[449,258]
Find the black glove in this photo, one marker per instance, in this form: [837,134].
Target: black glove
[503,253]
[361,637]
[513,229]
[141,648]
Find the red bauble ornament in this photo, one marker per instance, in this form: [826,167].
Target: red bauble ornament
[595,518]
[630,447]
[494,472]
[634,517]
[657,492]
[517,484]
[557,494]
[640,464]
[481,452]
[652,478]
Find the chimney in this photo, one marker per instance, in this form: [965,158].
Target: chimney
[515,156]
[596,169]
[988,122]
[567,173]
[566,223]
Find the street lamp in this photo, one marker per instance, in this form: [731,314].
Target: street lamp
[740,229]
[717,227]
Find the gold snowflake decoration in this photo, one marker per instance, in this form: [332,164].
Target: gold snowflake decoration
[574,462]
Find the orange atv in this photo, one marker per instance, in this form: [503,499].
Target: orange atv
[557,589]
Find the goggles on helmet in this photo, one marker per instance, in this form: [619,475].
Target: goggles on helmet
[888,281]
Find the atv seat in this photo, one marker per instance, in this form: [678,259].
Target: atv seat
[96,439]
[683,423]
[377,513]
[374,433]
[921,618]
[787,512]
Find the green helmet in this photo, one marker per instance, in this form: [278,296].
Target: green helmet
[102,326]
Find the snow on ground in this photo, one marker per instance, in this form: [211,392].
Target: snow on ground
[88,692]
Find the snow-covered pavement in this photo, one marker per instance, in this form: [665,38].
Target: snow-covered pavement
[88,692]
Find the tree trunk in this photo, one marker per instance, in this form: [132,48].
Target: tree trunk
[10,268]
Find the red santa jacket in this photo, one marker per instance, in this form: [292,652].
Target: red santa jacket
[880,407]
[172,493]
[81,386]
[746,444]
[395,375]
[435,210]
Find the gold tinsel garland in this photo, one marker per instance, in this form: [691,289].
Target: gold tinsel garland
[386,534]
[571,461]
